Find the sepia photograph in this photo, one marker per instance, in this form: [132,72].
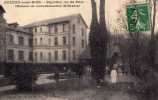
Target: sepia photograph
[78,49]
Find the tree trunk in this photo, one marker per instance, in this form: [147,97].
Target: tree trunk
[152,43]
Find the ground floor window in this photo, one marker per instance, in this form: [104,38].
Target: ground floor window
[31,56]
[10,54]
[35,58]
[64,56]
[49,56]
[41,55]
[74,55]
[56,55]
[21,55]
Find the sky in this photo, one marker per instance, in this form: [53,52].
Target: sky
[27,15]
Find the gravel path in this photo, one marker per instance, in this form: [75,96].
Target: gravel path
[43,79]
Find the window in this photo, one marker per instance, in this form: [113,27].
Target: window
[21,55]
[49,56]
[35,56]
[30,42]
[35,41]
[11,39]
[56,55]
[41,29]
[64,40]
[49,41]
[73,41]
[64,56]
[56,28]
[10,55]
[51,28]
[35,29]
[31,56]
[21,40]
[55,41]
[82,32]
[74,55]
[41,55]
[30,30]
[64,27]
[73,28]
[41,40]
[82,43]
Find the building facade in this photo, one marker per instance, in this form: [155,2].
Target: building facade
[59,40]
[18,45]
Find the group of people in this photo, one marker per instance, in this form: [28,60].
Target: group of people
[87,71]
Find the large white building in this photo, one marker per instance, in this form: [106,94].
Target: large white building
[59,40]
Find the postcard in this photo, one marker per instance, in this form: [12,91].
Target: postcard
[78,50]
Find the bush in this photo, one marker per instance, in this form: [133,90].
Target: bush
[25,77]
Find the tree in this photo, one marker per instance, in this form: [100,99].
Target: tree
[3,26]
[103,35]
[25,76]
[98,41]
[142,57]
[93,38]
[151,76]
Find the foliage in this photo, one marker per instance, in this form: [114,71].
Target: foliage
[25,77]
[142,58]
[98,41]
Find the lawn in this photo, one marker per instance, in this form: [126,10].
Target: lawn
[70,89]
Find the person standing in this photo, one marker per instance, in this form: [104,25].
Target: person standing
[56,75]
[114,75]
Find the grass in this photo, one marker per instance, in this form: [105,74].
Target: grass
[72,89]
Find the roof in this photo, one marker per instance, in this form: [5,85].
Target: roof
[15,23]
[2,9]
[56,20]
[18,29]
